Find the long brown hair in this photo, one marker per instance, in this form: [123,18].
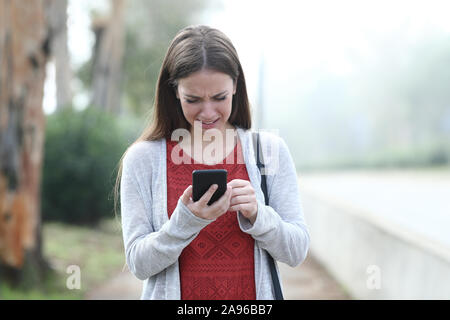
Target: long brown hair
[194,48]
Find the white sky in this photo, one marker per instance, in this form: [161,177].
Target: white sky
[295,36]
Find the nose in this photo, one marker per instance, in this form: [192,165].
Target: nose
[208,110]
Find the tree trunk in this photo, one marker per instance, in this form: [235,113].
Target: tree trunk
[57,19]
[108,59]
[24,50]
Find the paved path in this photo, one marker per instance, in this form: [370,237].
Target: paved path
[307,281]
[416,200]
[123,286]
[310,281]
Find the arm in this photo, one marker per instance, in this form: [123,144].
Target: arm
[147,251]
[280,227]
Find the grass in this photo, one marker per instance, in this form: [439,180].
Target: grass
[98,252]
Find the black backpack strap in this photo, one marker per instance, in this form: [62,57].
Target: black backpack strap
[260,165]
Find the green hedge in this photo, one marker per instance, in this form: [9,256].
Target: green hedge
[82,151]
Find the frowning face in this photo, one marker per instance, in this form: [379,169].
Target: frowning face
[206,96]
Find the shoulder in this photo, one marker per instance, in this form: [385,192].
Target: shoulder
[270,140]
[265,135]
[270,136]
[275,152]
[141,152]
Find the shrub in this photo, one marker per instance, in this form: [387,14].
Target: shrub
[82,150]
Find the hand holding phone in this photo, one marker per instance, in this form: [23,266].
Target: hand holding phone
[203,204]
[203,179]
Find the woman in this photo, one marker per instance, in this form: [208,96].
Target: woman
[190,250]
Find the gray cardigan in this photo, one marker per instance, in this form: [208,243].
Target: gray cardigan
[153,243]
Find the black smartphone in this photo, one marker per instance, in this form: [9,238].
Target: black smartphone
[203,179]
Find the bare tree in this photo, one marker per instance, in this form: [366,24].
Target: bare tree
[24,51]
[108,58]
[57,19]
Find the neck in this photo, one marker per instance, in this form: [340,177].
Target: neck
[202,145]
[225,135]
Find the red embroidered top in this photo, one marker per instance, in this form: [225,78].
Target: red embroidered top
[219,263]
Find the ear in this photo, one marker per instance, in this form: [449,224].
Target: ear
[234,87]
[176,92]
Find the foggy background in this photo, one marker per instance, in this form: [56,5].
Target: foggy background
[348,83]
[359,90]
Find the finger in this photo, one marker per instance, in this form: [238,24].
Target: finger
[238,183]
[224,200]
[242,199]
[186,196]
[208,195]
[242,207]
[242,191]
[247,190]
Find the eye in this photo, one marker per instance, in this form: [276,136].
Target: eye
[190,101]
[221,98]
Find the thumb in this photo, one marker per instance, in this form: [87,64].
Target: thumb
[186,196]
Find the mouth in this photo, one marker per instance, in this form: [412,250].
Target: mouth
[209,124]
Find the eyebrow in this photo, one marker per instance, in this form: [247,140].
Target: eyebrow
[195,97]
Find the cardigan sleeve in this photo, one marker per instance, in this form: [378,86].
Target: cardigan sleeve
[147,251]
[280,227]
